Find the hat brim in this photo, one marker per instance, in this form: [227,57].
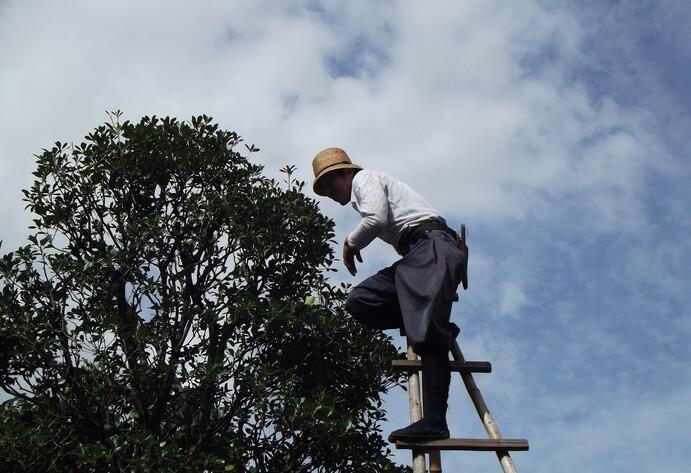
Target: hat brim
[318,186]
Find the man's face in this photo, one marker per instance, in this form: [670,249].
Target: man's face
[338,185]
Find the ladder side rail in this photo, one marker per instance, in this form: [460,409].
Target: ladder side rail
[483,411]
[415,409]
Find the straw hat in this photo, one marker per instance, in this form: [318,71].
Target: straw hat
[326,161]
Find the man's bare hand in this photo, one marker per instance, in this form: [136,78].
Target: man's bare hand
[349,255]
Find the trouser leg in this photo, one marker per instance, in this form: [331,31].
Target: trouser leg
[436,376]
[426,280]
[436,371]
[374,302]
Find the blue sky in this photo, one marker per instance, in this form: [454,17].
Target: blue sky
[557,132]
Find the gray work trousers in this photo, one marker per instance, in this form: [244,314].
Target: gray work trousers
[415,293]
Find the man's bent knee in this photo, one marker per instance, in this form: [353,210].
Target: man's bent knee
[375,316]
[353,305]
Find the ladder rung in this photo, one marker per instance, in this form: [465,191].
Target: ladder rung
[479,445]
[456,366]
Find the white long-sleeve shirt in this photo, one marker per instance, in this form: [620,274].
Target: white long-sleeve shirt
[387,207]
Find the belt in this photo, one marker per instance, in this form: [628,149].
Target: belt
[413,234]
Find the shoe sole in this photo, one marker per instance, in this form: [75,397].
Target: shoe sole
[440,436]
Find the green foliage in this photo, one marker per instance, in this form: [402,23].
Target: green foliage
[171,313]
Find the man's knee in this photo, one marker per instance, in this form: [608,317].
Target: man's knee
[353,304]
[358,309]
[378,316]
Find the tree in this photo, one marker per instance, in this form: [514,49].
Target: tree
[171,312]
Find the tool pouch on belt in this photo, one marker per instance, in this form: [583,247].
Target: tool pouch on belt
[460,242]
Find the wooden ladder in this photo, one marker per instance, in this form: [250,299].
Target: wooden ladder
[433,448]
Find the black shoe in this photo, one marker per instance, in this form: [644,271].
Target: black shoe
[427,428]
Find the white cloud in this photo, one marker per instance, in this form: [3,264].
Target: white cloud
[512,299]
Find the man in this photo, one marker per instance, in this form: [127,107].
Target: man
[416,292]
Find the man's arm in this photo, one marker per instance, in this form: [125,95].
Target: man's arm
[372,205]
